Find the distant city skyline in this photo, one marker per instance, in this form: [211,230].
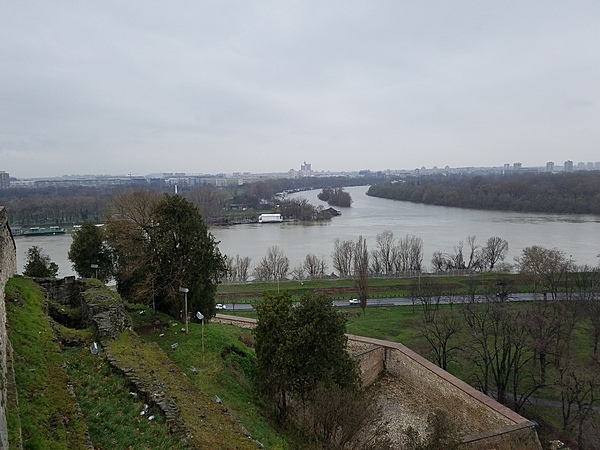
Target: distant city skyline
[305,169]
[220,87]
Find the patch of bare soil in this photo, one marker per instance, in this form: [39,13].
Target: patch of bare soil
[401,407]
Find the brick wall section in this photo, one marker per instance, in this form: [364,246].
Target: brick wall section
[486,423]
[8,267]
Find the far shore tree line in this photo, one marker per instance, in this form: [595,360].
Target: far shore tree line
[68,205]
[565,193]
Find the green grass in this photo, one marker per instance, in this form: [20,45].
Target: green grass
[225,369]
[383,287]
[390,323]
[154,370]
[112,413]
[47,413]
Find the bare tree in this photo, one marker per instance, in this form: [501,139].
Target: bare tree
[385,246]
[343,257]
[209,200]
[500,350]
[548,265]
[495,250]
[475,255]
[128,232]
[407,256]
[274,266]
[242,265]
[361,271]
[230,269]
[415,252]
[438,262]
[344,419]
[375,264]
[440,334]
[314,266]
[298,272]
[428,295]
[550,326]
[579,386]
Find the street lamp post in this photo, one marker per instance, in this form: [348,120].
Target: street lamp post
[185,311]
[200,317]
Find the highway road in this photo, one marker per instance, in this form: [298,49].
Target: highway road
[393,301]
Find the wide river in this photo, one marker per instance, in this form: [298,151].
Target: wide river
[440,228]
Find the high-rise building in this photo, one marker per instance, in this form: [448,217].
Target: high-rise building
[517,166]
[568,167]
[550,166]
[305,170]
[4,180]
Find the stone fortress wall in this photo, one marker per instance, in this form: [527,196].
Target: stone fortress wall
[8,268]
[486,423]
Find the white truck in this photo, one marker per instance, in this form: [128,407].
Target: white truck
[270,218]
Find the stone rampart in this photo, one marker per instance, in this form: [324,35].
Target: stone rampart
[8,268]
[485,423]
[100,307]
[371,362]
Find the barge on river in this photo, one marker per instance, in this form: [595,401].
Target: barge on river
[39,231]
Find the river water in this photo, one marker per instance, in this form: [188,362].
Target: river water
[441,228]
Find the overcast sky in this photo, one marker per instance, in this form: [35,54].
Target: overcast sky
[118,87]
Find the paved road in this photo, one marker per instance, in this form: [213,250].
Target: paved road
[393,301]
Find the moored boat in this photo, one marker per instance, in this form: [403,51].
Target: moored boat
[40,231]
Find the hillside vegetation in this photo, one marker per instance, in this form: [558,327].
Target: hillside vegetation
[104,406]
[566,193]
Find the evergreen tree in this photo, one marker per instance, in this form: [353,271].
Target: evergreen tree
[300,346]
[160,244]
[184,254]
[89,253]
[38,264]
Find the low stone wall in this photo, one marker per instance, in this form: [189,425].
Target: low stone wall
[99,305]
[241,322]
[486,423]
[8,268]
[62,290]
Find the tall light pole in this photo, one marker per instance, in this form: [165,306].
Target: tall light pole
[200,317]
[185,312]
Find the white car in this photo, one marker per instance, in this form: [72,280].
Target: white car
[354,301]
[221,306]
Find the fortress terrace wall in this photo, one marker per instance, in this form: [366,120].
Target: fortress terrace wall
[486,424]
[8,268]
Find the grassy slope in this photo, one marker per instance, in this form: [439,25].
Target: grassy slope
[48,413]
[49,416]
[208,425]
[226,369]
[112,413]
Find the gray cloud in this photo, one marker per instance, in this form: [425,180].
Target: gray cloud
[140,87]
